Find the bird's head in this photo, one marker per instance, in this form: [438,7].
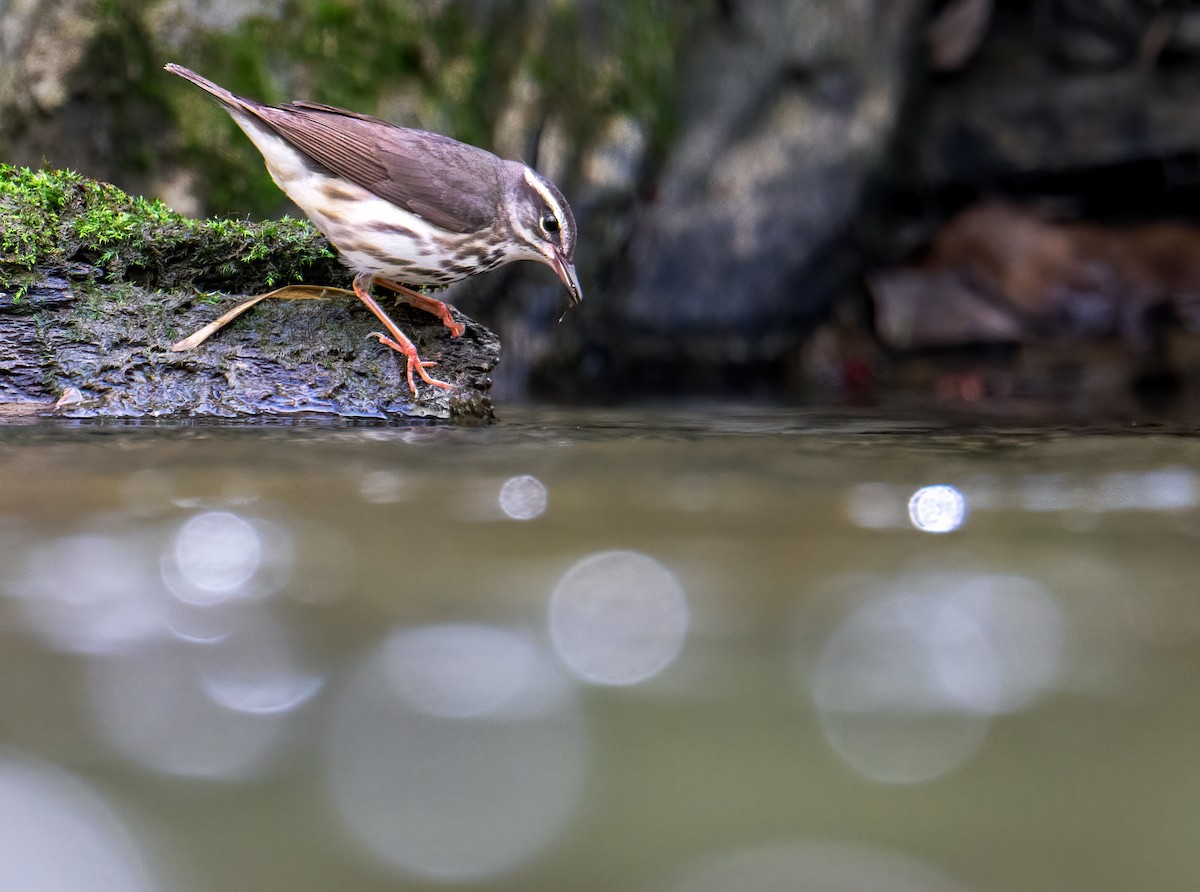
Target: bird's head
[543,224]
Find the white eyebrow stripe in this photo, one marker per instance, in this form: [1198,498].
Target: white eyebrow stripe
[532,178]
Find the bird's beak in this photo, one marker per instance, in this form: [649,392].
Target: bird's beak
[566,272]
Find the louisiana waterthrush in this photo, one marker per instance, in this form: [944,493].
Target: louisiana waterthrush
[406,207]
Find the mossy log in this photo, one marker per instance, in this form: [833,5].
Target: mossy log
[96,286]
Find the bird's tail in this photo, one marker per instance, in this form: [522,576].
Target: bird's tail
[219,92]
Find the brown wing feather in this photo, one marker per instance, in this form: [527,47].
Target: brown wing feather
[449,183]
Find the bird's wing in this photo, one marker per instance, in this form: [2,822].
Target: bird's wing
[449,183]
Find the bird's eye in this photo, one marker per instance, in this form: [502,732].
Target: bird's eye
[549,224]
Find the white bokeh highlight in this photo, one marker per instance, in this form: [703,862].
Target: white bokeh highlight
[456,752]
[255,670]
[216,553]
[60,835]
[98,593]
[937,509]
[907,685]
[618,618]
[460,670]
[1027,636]
[881,695]
[151,706]
[90,593]
[523,497]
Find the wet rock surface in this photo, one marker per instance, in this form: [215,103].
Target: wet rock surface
[93,300]
[86,353]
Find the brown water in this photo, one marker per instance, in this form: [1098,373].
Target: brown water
[716,650]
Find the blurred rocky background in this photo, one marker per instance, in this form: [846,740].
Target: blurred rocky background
[798,197]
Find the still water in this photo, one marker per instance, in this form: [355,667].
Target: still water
[702,651]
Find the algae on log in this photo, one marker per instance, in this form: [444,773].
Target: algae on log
[96,285]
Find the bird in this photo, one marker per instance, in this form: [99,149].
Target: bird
[405,207]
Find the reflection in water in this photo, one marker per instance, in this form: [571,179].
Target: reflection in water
[1169,489]
[253,669]
[460,670]
[1165,489]
[151,706]
[215,553]
[90,594]
[816,866]
[448,633]
[1046,493]
[879,691]
[875,506]
[185,675]
[146,492]
[937,509]
[59,835]
[456,752]
[618,618]
[523,497]
[381,487]
[693,493]
[905,687]
[99,593]
[218,557]
[1026,635]
[942,508]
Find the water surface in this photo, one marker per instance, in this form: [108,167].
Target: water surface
[709,649]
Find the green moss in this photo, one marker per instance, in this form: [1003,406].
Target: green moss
[57,219]
[27,200]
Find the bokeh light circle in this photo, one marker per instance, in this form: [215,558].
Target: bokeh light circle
[456,752]
[937,509]
[618,618]
[890,683]
[523,497]
[216,553]
[59,835]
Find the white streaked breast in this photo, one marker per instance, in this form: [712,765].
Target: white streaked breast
[371,234]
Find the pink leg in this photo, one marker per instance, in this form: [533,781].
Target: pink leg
[428,304]
[398,341]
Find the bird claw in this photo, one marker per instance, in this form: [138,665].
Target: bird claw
[414,360]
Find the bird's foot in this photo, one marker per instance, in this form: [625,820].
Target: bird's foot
[395,338]
[414,361]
